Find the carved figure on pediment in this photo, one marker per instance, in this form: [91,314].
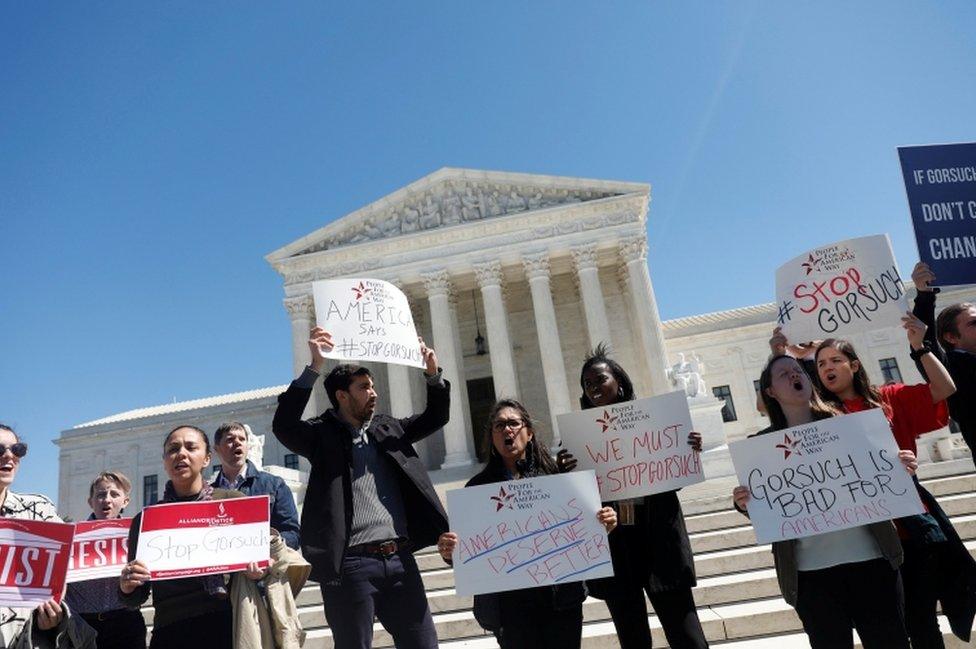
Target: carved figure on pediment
[390,225]
[536,201]
[431,214]
[493,202]
[687,376]
[451,203]
[409,221]
[470,206]
[371,230]
[359,237]
[411,214]
[515,203]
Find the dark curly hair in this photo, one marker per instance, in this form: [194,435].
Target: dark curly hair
[600,356]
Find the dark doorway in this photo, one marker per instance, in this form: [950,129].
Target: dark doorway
[481,397]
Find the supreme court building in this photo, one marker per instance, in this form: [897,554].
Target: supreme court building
[512,278]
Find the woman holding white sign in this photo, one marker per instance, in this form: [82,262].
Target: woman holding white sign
[547,617]
[650,550]
[191,607]
[836,581]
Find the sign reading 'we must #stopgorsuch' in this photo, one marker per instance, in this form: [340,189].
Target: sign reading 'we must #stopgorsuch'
[825,476]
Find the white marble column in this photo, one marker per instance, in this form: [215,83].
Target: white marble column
[496,322]
[460,389]
[301,311]
[594,307]
[553,370]
[456,440]
[633,250]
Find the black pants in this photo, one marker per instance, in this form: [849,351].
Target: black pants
[541,629]
[390,589]
[212,631]
[919,574]
[122,629]
[674,608]
[866,596]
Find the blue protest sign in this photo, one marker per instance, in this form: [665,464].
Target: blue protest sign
[940,180]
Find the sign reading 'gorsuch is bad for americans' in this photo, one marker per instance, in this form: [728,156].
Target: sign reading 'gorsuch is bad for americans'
[369,320]
[526,533]
[99,549]
[204,537]
[839,289]
[33,561]
[824,476]
[635,448]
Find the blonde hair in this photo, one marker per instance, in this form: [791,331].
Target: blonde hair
[111,476]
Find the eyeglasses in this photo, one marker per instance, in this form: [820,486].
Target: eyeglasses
[19,449]
[503,424]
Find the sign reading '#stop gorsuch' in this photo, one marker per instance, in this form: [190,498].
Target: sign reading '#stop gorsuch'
[369,320]
[204,537]
[824,476]
[33,561]
[526,533]
[99,549]
[637,447]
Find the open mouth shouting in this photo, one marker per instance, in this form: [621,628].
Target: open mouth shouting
[509,442]
[830,377]
[7,468]
[798,385]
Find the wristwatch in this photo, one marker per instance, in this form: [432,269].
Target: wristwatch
[917,354]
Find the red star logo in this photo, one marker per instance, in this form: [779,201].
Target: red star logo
[608,421]
[789,446]
[811,263]
[361,291]
[503,499]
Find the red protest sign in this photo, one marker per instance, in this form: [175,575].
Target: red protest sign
[205,537]
[99,549]
[33,561]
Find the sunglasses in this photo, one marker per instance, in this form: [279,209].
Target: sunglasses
[19,449]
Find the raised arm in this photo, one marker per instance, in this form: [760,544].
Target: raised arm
[924,310]
[299,436]
[438,410]
[941,384]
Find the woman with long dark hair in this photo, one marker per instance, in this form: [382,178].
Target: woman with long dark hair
[194,608]
[547,617]
[650,550]
[836,581]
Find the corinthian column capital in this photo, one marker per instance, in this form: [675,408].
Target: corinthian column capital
[489,273]
[584,256]
[536,265]
[437,282]
[299,307]
[633,248]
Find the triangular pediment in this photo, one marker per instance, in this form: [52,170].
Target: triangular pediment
[454,197]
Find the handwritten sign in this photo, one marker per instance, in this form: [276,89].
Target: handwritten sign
[843,288]
[33,561]
[940,181]
[526,533]
[825,476]
[100,549]
[369,320]
[204,537]
[635,448]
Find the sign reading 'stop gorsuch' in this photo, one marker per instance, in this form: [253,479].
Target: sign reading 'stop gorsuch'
[369,320]
[840,289]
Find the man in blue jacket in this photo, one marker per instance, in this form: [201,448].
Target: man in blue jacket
[237,472]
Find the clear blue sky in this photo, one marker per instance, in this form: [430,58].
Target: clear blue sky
[152,153]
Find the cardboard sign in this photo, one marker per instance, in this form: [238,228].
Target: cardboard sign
[840,289]
[940,181]
[204,537]
[635,448]
[33,561]
[825,476]
[100,549]
[369,320]
[527,533]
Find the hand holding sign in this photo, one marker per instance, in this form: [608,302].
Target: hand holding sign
[923,277]
[430,358]
[134,574]
[319,344]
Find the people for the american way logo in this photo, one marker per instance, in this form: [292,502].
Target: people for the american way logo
[789,446]
[608,421]
[361,291]
[503,499]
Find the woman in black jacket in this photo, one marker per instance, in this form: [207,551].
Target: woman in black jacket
[650,550]
[547,617]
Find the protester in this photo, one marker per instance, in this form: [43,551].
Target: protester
[546,617]
[191,607]
[98,600]
[836,581]
[952,339]
[650,550]
[238,472]
[50,624]
[369,502]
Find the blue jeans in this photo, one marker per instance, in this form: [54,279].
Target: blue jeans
[389,589]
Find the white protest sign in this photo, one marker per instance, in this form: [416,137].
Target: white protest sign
[526,533]
[369,320]
[840,289]
[635,448]
[204,537]
[824,476]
